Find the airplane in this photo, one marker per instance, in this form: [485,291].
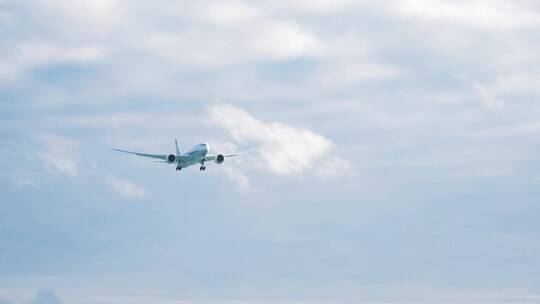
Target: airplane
[197,155]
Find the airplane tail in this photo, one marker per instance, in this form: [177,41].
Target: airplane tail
[177,148]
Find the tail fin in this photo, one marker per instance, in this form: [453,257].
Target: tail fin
[177,148]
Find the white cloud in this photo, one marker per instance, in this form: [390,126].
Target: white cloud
[488,97]
[242,182]
[281,148]
[334,167]
[230,12]
[29,166]
[315,6]
[92,15]
[342,74]
[58,155]
[32,54]
[521,86]
[204,48]
[125,188]
[493,14]
[283,40]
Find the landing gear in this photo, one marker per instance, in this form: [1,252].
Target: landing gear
[203,167]
[178,168]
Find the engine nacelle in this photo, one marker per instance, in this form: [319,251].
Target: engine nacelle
[171,158]
[220,158]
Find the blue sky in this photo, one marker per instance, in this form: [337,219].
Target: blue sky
[396,151]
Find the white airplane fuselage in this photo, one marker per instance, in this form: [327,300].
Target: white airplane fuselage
[194,156]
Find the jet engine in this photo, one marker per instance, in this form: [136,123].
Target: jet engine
[220,158]
[171,158]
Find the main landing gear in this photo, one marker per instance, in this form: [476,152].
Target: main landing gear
[178,168]
[203,167]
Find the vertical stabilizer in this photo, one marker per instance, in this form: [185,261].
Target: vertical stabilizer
[177,148]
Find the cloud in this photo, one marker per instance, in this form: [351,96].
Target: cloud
[342,76]
[488,97]
[125,188]
[87,15]
[29,55]
[491,15]
[242,182]
[202,49]
[230,12]
[58,155]
[509,87]
[284,40]
[334,167]
[31,165]
[315,6]
[281,148]
[46,297]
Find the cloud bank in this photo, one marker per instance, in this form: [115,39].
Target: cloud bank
[435,101]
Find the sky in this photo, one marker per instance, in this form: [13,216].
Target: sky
[395,151]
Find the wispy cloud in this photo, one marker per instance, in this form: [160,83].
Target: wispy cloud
[242,182]
[33,54]
[125,188]
[509,87]
[282,149]
[58,155]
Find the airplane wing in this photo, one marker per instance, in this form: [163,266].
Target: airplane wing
[213,157]
[158,156]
